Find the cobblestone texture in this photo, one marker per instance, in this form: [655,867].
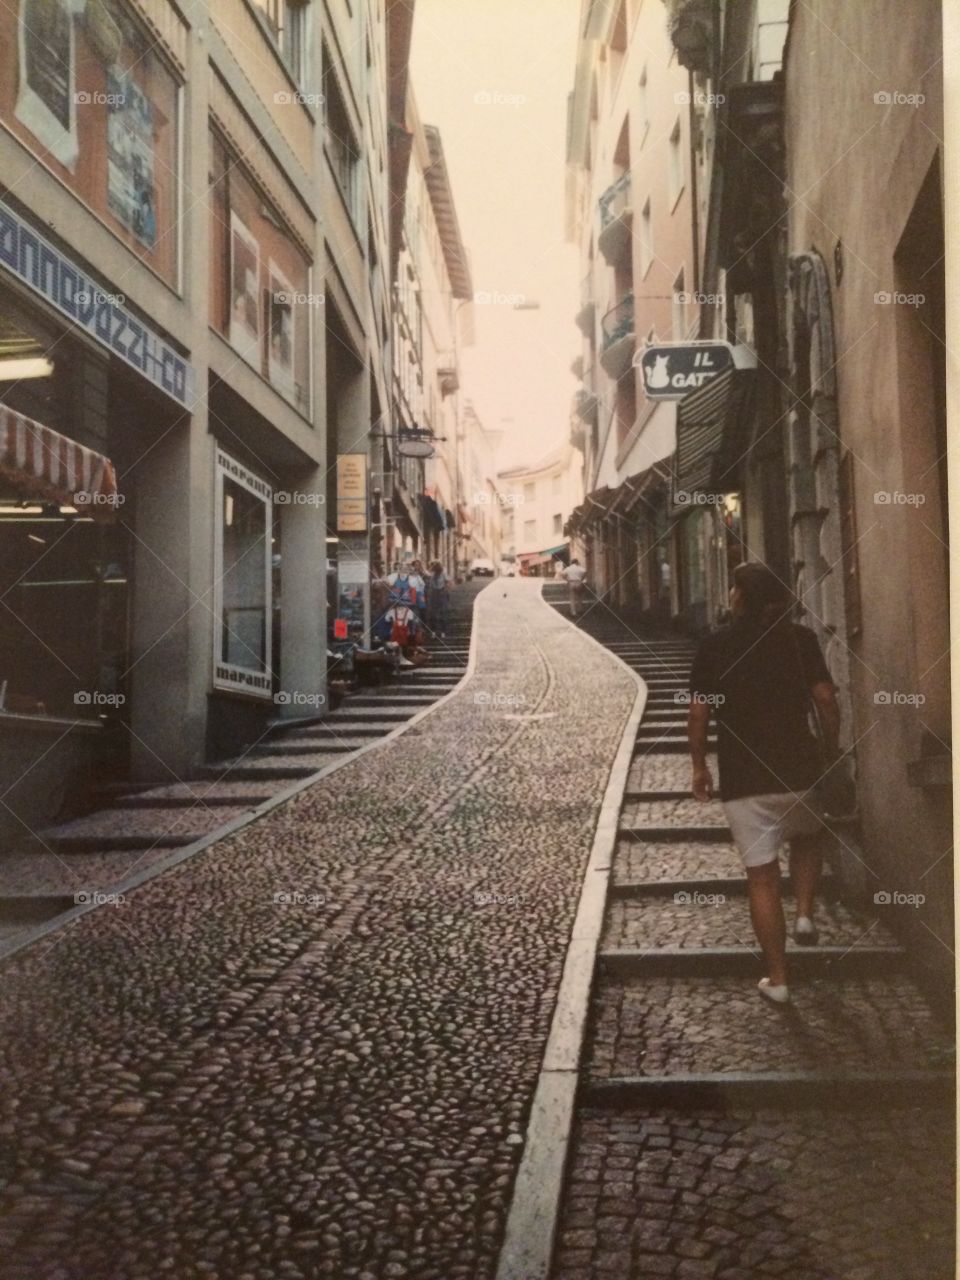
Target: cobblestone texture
[663,772]
[673,813]
[208,1081]
[663,922]
[681,1025]
[741,1196]
[195,822]
[638,859]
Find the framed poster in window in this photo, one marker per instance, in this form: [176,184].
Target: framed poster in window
[131,187]
[244,291]
[280,332]
[47,99]
[243,596]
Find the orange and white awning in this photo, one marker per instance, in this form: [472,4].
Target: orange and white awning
[41,464]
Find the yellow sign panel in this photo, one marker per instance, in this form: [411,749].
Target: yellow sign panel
[352,476]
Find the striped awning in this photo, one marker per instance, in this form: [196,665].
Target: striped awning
[40,463]
[710,424]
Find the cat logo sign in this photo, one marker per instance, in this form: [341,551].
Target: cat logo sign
[672,370]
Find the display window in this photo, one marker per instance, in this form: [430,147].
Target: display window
[243,580]
[85,87]
[260,280]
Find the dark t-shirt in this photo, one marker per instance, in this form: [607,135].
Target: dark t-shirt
[758,682]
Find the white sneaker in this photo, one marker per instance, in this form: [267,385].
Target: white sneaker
[779,994]
[805,933]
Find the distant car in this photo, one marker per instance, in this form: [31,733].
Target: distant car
[482,569]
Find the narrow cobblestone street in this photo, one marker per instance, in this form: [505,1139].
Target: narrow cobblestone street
[204,1081]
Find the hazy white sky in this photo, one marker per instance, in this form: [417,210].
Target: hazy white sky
[493,76]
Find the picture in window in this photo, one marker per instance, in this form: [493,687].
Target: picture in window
[280,332]
[131,190]
[46,98]
[244,290]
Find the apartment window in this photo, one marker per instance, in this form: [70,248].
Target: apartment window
[679,308]
[287,21]
[529,532]
[646,238]
[643,105]
[558,525]
[675,163]
[341,144]
[529,492]
[557,484]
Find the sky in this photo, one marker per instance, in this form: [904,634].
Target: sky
[493,76]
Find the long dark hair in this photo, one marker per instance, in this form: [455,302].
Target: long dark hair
[765,600]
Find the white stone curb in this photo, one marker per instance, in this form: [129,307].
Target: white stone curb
[527,1252]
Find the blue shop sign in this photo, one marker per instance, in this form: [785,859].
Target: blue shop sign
[69,289]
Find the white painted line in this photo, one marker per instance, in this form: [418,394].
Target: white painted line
[532,1222]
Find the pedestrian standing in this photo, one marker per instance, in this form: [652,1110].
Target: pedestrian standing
[438,600]
[575,576]
[761,676]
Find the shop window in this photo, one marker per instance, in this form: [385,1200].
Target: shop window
[243,577]
[260,280]
[89,92]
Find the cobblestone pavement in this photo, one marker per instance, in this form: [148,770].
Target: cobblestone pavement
[740,1196]
[309,1051]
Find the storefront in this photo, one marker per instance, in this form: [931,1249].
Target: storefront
[80,376]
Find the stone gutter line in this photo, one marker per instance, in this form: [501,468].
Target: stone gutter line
[531,1230]
[19,943]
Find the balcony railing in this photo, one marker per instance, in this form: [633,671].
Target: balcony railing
[616,221]
[586,316]
[619,337]
[615,200]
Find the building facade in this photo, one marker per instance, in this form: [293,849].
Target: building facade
[432,289]
[195,310]
[632,204]
[825,453]
[535,505]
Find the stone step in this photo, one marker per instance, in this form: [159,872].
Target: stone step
[277,769]
[787,1089]
[139,828]
[729,886]
[712,919]
[335,744]
[653,834]
[386,711]
[667,771]
[668,1025]
[681,812]
[745,961]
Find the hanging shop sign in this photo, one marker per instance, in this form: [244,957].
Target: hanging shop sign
[352,493]
[415,442]
[672,370]
[67,287]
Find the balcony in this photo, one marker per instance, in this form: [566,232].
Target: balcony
[619,338]
[586,317]
[448,375]
[616,222]
[585,405]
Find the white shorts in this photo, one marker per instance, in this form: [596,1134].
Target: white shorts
[762,824]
